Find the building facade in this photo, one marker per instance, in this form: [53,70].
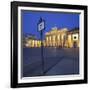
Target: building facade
[62,38]
[55,38]
[73,38]
[31,41]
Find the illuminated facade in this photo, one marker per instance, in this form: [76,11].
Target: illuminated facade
[55,38]
[73,38]
[62,38]
[31,41]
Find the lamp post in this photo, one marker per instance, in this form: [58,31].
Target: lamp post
[41,27]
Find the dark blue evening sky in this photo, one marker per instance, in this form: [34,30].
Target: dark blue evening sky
[52,19]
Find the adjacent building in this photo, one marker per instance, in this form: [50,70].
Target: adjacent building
[73,38]
[31,41]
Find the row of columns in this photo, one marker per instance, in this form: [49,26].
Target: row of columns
[33,43]
[55,40]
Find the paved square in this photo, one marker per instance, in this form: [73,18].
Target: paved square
[56,61]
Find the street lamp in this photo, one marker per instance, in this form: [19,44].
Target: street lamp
[41,27]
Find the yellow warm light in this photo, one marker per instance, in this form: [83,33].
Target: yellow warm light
[50,38]
[75,35]
[47,38]
[56,38]
[27,45]
[69,41]
[69,38]
[78,44]
[53,38]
